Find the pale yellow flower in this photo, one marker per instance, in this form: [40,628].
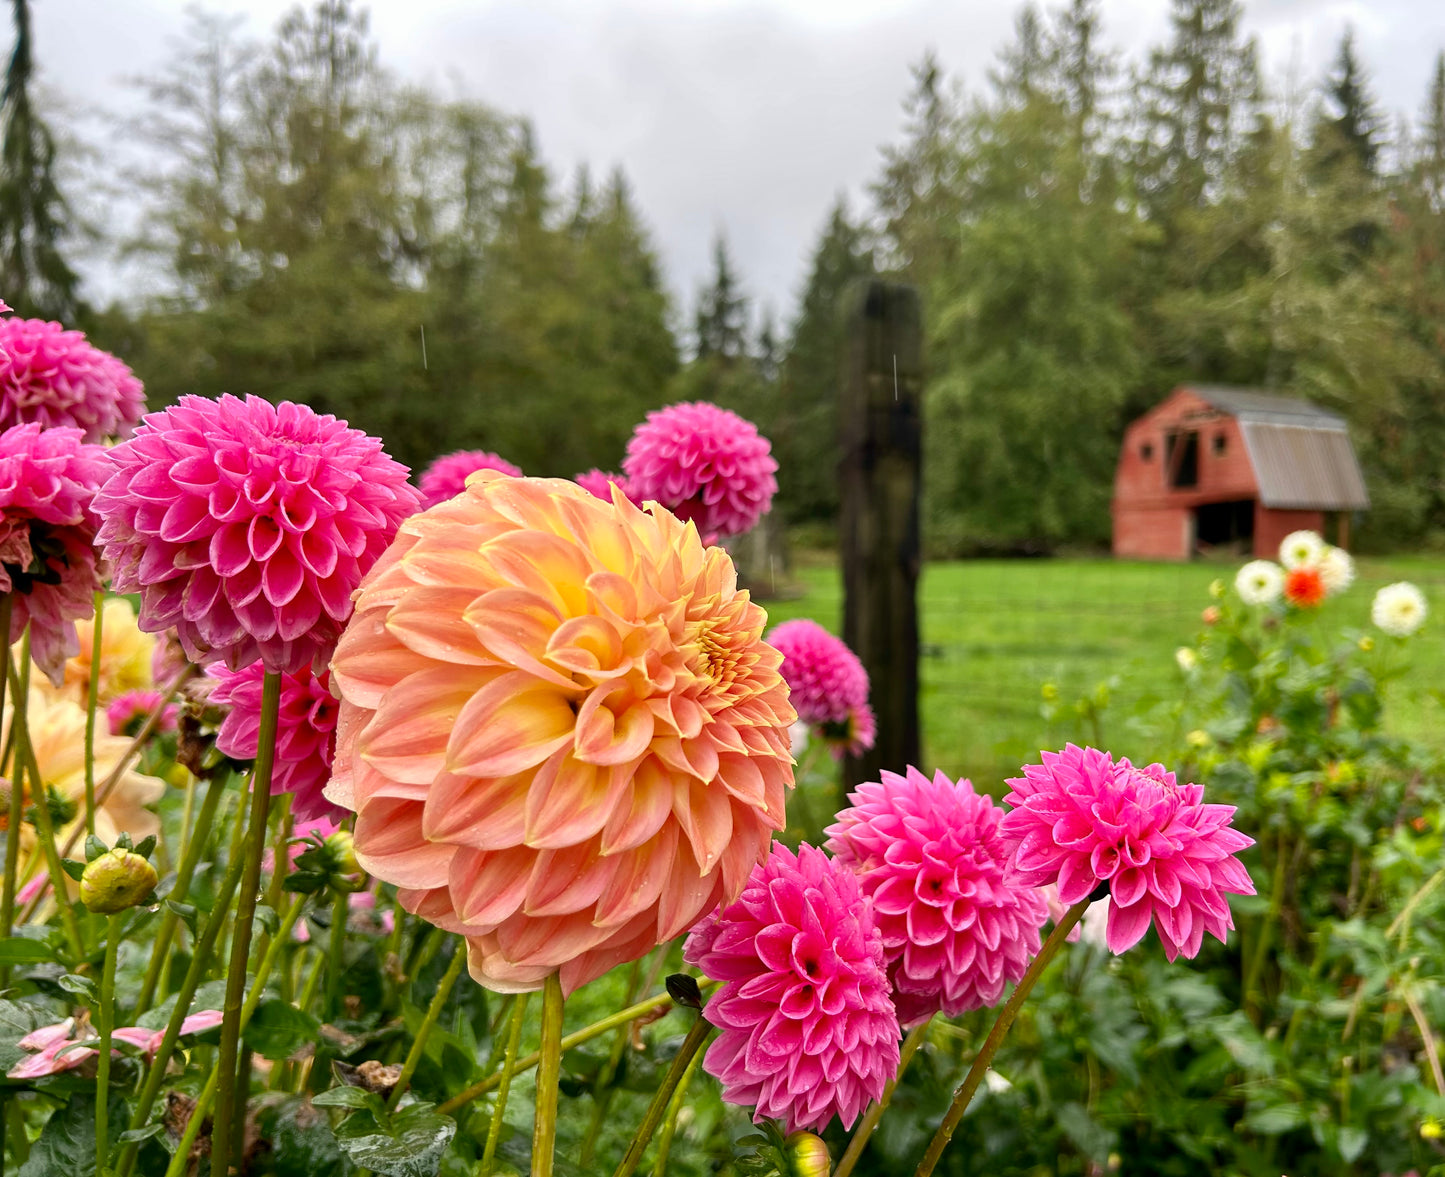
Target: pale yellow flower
[57,733]
[125,655]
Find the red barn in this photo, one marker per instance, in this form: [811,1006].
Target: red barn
[1228,466]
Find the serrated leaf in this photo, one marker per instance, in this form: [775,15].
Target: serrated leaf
[277,1029]
[80,986]
[410,1146]
[348,1097]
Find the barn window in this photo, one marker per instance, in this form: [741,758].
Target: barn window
[1181,460]
[1146,452]
[1220,443]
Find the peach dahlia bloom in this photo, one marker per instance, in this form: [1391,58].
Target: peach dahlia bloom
[560,728]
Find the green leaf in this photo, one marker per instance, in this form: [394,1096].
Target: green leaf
[348,1097]
[186,912]
[15,951]
[146,845]
[67,1142]
[136,1135]
[1089,1136]
[277,1029]
[1352,1144]
[80,986]
[73,868]
[17,1019]
[94,848]
[268,919]
[1276,1119]
[410,1146]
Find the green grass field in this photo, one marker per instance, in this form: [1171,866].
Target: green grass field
[994,631]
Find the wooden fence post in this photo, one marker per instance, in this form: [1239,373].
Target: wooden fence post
[880,472]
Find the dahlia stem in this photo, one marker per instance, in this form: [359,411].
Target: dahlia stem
[107,1027]
[602,1088]
[181,1157]
[549,1072]
[696,1036]
[200,963]
[433,1012]
[92,700]
[336,952]
[226,1102]
[875,1113]
[669,1125]
[509,1067]
[965,1092]
[40,797]
[16,811]
[195,847]
[577,1038]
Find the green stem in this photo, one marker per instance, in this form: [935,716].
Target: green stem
[965,1092]
[1261,945]
[181,1157]
[696,1036]
[549,1072]
[195,847]
[1401,923]
[92,699]
[241,933]
[16,809]
[107,1028]
[509,1067]
[40,800]
[433,1012]
[602,1089]
[875,1113]
[336,952]
[669,1125]
[577,1038]
[200,963]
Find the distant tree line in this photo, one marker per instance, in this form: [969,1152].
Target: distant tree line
[1085,236]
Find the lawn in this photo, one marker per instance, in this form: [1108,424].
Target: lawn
[995,631]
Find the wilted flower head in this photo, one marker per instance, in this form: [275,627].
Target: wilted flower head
[446,477]
[600,483]
[560,728]
[54,377]
[1300,548]
[1399,609]
[1082,820]
[305,733]
[59,1048]
[48,479]
[247,525]
[808,1030]
[126,713]
[825,678]
[1337,570]
[704,464]
[126,652]
[929,854]
[1259,582]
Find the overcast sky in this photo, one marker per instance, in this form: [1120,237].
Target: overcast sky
[745,117]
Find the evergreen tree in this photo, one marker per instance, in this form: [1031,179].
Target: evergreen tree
[720,324]
[1430,147]
[806,433]
[1349,127]
[34,217]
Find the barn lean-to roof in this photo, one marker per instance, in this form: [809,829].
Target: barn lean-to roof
[1301,453]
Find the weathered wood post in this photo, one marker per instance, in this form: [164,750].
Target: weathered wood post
[880,472]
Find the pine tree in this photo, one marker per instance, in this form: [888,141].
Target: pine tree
[806,433]
[720,324]
[1430,147]
[1350,127]
[35,219]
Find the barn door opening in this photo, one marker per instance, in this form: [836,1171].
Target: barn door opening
[1225,526]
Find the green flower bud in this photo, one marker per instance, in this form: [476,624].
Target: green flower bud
[344,848]
[117,880]
[808,1155]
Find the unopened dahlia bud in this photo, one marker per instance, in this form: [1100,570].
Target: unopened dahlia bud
[808,1155]
[344,848]
[1211,615]
[115,881]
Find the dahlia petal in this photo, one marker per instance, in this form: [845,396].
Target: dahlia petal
[512,724]
[1127,925]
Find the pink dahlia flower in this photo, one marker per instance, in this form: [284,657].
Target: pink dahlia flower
[704,464]
[825,679]
[247,526]
[48,480]
[126,713]
[856,735]
[601,482]
[305,733]
[446,477]
[1084,821]
[561,731]
[808,1028]
[929,854]
[55,377]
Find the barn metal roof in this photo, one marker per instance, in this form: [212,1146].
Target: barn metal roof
[1301,453]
